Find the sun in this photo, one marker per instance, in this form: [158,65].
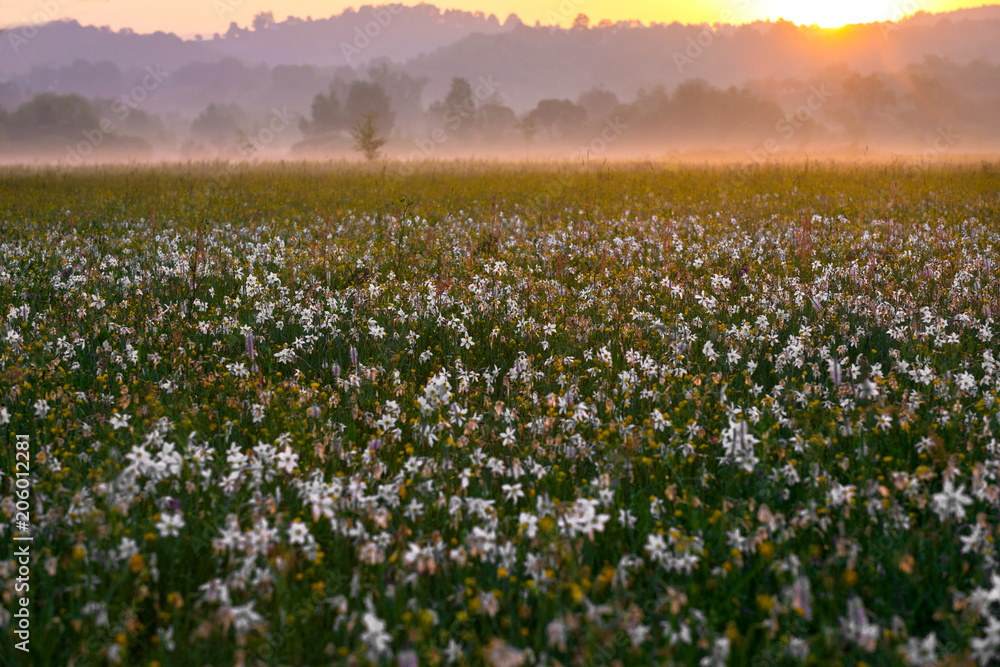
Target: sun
[832,13]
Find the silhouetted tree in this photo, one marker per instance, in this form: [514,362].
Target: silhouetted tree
[404,91]
[235,31]
[366,139]
[137,123]
[51,115]
[861,103]
[100,79]
[459,111]
[263,21]
[653,101]
[496,120]
[598,103]
[460,94]
[936,102]
[219,125]
[560,118]
[699,111]
[327,115]
[366,97]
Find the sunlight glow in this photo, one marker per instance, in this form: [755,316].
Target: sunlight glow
[836,13]
[188,17]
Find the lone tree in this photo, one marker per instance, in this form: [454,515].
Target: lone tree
[366,137]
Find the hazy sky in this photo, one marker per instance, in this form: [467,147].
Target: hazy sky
[187,17]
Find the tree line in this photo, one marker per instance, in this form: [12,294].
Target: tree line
[384,109]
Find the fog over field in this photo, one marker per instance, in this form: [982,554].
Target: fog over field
[454,84]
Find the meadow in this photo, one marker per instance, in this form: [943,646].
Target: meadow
[488,414]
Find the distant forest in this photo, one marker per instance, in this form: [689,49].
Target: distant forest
[928,82]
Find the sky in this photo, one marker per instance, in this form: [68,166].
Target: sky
[206,17]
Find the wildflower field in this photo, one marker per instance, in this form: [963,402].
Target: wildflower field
[500,415]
